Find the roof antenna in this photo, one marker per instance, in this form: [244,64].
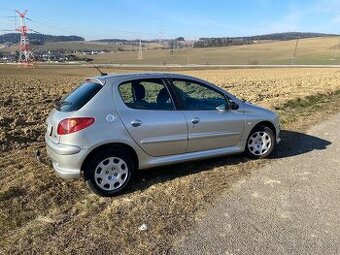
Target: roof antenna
[89,60]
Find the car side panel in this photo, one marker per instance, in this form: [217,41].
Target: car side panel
[158,133]
[215,129]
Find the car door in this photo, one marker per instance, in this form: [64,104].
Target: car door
[149,115]
[210,123]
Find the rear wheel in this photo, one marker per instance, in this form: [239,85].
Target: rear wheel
[260,143]
[108,173]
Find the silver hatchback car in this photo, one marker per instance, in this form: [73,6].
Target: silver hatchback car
[110,126]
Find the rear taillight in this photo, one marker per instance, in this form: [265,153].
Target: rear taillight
[71,125]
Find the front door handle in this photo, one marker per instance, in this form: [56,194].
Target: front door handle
[195,120]
[136,123]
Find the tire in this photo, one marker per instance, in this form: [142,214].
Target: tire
[109,172]
[260,142]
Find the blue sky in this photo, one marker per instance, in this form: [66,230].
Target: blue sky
[148,19]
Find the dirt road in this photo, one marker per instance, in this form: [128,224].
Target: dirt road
[290,206]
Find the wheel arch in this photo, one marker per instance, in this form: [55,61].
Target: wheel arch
[270,126]
[267,124]
[103,147]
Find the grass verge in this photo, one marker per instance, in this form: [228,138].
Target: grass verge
[301,113]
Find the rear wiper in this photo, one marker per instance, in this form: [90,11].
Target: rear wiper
[60,103]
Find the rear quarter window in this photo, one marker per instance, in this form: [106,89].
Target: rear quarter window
[77,98]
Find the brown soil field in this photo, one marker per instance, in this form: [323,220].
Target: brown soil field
[40,213]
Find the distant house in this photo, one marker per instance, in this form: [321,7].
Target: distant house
[7,59]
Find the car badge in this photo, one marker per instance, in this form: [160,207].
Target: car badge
[110,117]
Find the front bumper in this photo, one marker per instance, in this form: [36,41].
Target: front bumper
[66,159]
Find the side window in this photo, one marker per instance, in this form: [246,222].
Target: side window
[146,94]
[195,96]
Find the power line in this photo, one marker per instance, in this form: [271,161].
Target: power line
[52,23]
[57,25]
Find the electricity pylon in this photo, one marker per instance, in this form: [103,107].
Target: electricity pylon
[26,56]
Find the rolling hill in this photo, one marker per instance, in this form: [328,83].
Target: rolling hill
[317,50]
[323,50]
[39,39]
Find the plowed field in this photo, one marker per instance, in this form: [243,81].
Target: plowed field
[42,213]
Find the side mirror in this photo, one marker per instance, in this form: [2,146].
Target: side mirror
[222,107]
[233,105]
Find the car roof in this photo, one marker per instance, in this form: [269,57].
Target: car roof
[122,77]
[141,75]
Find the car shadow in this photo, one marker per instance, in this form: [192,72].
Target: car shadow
[295,143]
[292,144]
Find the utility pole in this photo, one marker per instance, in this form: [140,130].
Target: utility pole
[140,50]
[26,56]
[160,39]
[336,49]
[295,51]
[174,45]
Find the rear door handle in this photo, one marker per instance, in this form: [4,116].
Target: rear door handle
[136,123]
[195,120]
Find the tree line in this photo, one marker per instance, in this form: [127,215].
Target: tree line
[230,41]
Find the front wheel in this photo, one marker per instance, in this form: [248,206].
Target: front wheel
[260,143]
[108,173]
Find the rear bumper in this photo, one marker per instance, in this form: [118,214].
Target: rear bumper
[66,159]
[66,173]
[62,149]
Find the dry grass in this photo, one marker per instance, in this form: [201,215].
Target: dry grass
[324,50]
[310,51]
[41,213]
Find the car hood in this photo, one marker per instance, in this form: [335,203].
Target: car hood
[248,107]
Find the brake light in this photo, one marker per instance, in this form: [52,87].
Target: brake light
[71,125]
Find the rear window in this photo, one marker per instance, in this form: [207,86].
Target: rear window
[77,98]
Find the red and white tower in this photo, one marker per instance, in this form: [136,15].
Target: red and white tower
[26,56]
